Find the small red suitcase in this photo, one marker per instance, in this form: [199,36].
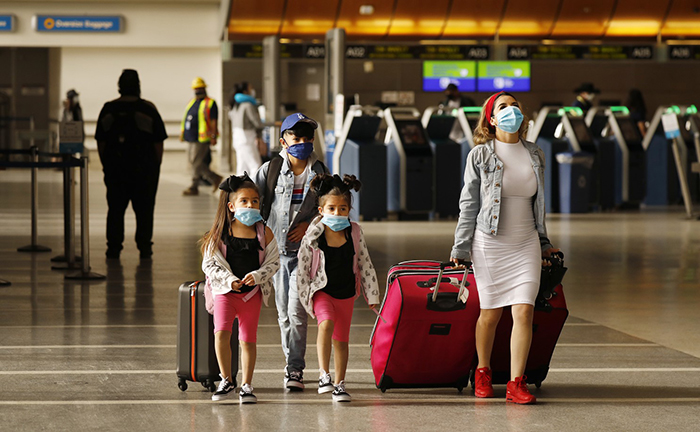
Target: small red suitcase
[422,340]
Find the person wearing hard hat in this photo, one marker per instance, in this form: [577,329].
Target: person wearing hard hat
[199,130]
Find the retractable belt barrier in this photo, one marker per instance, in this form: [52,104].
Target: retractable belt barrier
[67,163]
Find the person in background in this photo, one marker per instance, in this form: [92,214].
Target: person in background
[585,93]
[199,130]
[246,129]
[71,107]
[130,135]
[454,99]
[638,109]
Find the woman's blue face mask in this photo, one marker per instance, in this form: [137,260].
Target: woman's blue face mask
[509,119]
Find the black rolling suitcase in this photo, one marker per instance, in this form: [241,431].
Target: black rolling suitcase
[196,357]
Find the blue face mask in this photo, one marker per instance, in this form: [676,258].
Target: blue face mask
[301,150]
[336,223]
[509,119]
[247,216]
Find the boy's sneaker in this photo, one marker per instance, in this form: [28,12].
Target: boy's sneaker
[225,390]
[325,384]
[246,394]
[339,394]
[294,380]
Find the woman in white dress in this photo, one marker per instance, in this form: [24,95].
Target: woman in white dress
[246,129]
[501,229]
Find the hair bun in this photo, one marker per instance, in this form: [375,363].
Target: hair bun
[233,183]
[352,182]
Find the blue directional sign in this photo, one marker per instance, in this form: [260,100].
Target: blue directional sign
[7,23]
[85,24]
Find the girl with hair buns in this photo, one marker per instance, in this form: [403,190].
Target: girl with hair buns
[240,257]
[501,229]
[334,268]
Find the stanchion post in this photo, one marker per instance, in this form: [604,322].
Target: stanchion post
[84,273]
[34,247]
[68,259]
[3,282]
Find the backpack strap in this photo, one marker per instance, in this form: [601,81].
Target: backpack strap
[273,171]
[319,167]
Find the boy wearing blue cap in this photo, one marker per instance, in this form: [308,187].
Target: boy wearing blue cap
[288,205]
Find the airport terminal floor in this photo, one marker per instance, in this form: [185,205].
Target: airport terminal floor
[101,355]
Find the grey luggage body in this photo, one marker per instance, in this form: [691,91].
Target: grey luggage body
[196,357]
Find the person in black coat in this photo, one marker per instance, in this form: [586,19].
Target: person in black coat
[130,134]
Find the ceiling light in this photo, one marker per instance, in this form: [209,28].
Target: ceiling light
[366,10]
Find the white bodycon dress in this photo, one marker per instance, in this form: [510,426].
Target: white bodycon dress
[507,266]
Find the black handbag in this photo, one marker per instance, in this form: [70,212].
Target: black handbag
[551,277]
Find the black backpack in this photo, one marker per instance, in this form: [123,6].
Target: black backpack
[273,173]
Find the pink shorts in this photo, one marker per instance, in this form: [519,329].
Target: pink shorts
[229,306]
[336,310]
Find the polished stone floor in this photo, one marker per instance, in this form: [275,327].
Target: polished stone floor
[101,355]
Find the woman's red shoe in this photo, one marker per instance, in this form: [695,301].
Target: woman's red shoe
[518,393]
[482,383]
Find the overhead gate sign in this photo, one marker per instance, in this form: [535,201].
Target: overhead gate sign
[85,24]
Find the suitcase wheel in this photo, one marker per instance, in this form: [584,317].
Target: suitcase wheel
[383,389]
[182,385]
[209,384]
[459,389]
[538,384]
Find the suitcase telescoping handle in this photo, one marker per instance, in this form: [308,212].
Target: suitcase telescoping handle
[462,285]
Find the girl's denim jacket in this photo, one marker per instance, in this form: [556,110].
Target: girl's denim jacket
[480,201]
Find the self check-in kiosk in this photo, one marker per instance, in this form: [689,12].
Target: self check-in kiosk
[543,132]
[410,165]
[468,118]
[580,136]
[447,158]
[630,158]
[693,127]
[661,175]
[358,152]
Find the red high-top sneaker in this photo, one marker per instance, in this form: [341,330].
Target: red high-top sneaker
[518,393]
[482,383]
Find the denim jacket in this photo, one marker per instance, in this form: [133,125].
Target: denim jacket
[480,201]
[279,219]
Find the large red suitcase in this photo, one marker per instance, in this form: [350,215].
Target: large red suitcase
[420,342]
[547,324]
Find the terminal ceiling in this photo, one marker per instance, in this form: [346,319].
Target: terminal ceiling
[467,19]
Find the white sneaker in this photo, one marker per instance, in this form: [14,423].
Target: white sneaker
[325,384]
[246,395]
[225,390]
[294,380]
[339,394]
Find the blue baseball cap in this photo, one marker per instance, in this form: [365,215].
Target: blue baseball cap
[295,118]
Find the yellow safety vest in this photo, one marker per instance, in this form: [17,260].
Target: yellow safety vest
[203,120]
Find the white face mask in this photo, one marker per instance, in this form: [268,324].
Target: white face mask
[76,99]
[590,97]
[252,93]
